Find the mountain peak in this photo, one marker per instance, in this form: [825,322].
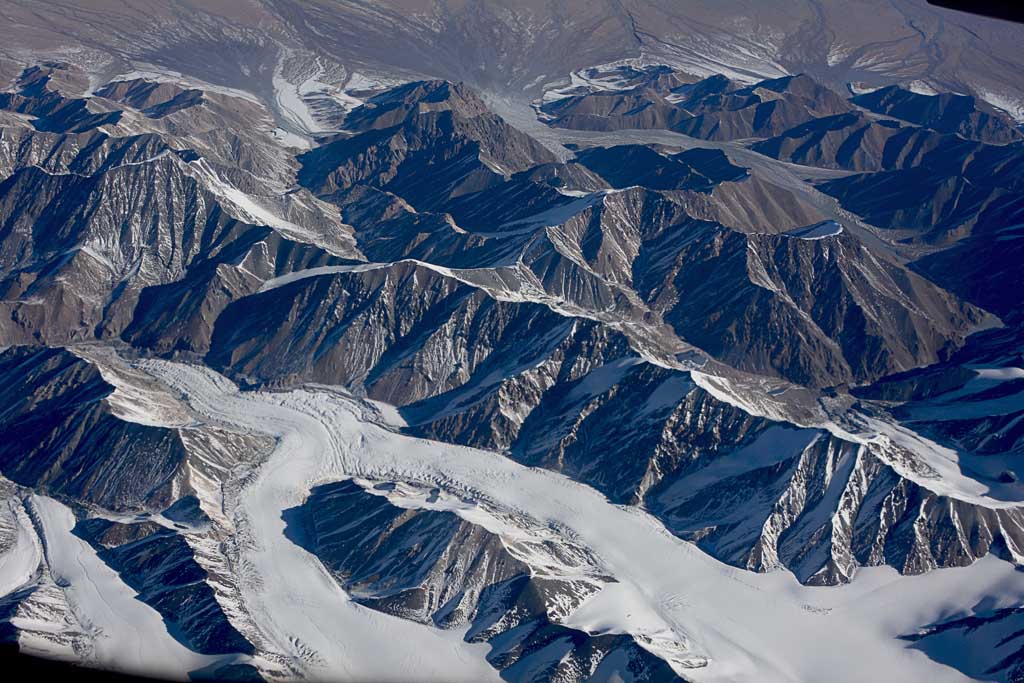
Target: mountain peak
[394,106]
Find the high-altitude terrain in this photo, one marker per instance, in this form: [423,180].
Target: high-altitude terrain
[524,341]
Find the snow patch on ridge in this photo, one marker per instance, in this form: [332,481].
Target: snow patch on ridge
[817,231]
[912,456]
[245,207]
[20,553]
[130,401]
[1010,103]
[150,72]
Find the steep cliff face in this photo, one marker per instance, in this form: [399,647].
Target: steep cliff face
[827,508]
[852,309]
[159,563]
[409,321]
[86,431]
[501,296]
[860,141]
[63,435]
[434,567]
[80,249]
[857,142]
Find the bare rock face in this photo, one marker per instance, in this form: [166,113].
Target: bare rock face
[993,641]
[828,509]
[409,321]
[433,567]
[61,434]
[830,287]
[422,565]
[947,113]
[83,154]
[51,110]
[960,207]
[76,431]
[627,165]
[540,295]
[857,142]
[159,563]
[751,492]
[135,225]
[156,100]
[429,142]
[92,217]
[712,109]
[648,243]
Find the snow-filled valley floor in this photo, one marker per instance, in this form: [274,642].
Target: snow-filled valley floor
[711,621]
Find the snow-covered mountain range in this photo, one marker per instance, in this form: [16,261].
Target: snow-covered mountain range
[424,341]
